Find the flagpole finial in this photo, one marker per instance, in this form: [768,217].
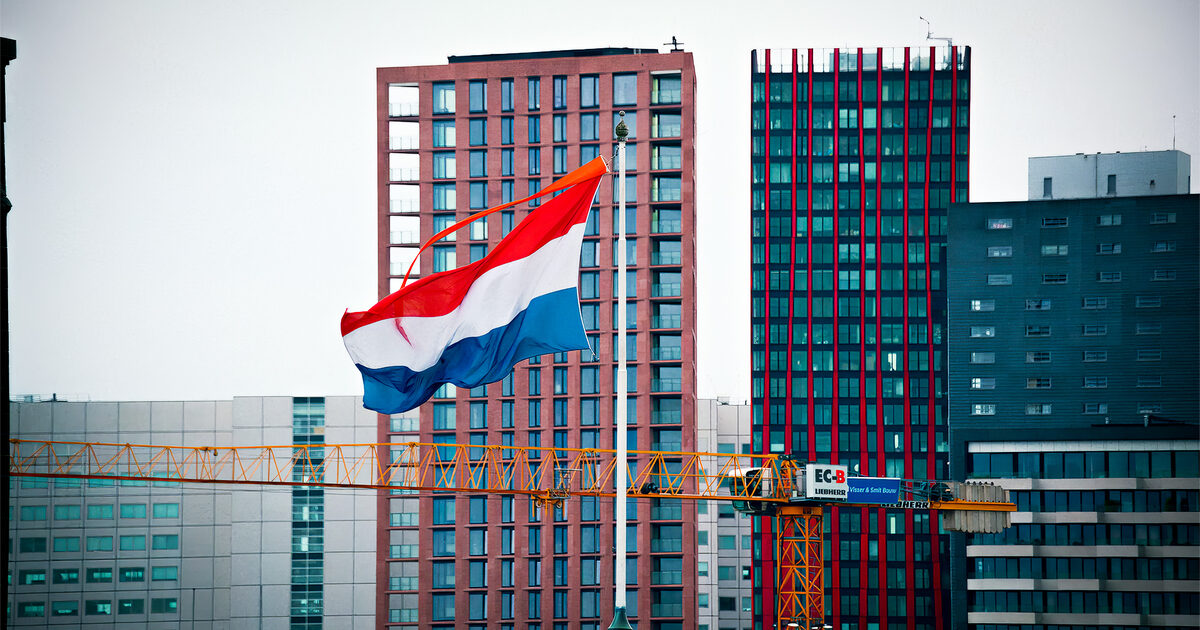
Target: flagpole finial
[622,130]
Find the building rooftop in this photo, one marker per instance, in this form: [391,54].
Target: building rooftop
[552,54]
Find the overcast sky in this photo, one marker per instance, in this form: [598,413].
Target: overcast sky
[194,182]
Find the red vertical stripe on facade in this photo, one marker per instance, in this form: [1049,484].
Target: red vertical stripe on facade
[812,433]
[878,321]
[766,541]
[862,276]
[787,447]
[833,425]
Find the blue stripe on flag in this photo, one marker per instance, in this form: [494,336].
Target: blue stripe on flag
[551,323]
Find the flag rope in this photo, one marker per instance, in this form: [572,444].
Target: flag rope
[583,173]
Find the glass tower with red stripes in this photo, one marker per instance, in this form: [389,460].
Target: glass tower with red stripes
[856,155]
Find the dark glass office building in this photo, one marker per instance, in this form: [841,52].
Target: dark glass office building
[1073,383]
[856,156]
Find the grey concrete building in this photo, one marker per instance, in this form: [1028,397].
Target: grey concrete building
[724,588]
[129,554]
[1118,174]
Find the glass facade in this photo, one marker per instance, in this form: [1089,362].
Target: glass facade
[856,155]
[308,523]
[505,560]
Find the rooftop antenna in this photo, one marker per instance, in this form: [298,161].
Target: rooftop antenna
[929,33]
[1172,132]
[674,44]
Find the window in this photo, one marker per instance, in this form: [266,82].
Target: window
[1037,357]
[1159,218]
[1163,274]
[1095,382]
[99,575]
[131,607]
[1095,356]
[589,127]
[983,357]
[1094,330]
[99,543]
[980,306]
[589,90]
[1037,330]
[1047,187]
[1037,409]
[983,331]
[1149,328]
[1108,248]
[164,574]
[35,513]
[133,543]
[100,511]
[443,165]
[1037,304]
[624,89]
[1093,408]
[983,409]
[560,92]
[129,510]
[1095,303]
[1149,381]
[1000,252]
[1149,355]
[1054,278]
[66,544]
[166,510]
[999,224]
[983,383]
[1112,185]
[1162,246]
[478,96]
[999,279]
[66,576]
[163,605]
[1108,276]
[1108,220]
[443,98]
[1054,222]
[165,541]
[1037,383]
[1054,250]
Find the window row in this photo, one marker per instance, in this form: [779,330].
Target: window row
[99,512]
[1106,500]
[1091,303]
[70,608]
[37,544]
[886,117]
[1077,534]
[1086,465]
[1046,382]
[666,89]
[1085,568]
[1044,330]
[100,575]
[1104,220]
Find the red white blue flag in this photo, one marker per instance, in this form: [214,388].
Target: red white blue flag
[469,326]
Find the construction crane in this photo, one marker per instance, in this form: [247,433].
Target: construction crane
[794,492]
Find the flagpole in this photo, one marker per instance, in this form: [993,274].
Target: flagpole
[620,621]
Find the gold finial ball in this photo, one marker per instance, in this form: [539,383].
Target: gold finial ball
[622,130]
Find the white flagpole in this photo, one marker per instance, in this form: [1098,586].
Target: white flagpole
[622,386]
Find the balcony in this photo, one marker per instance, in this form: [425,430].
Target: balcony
[404,174]
[665,321]
[666,417]
[403,143]
[666,96]
[406,237]
[666,353]
[405,206]
[666,289]
[666,385]
[665,226]
[407,108]
[666,258]
[666,577]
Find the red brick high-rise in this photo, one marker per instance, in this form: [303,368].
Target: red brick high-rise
[477,132]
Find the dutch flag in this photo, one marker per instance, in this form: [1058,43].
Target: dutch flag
[470,325]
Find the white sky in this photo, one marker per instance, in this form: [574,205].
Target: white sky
[194,183]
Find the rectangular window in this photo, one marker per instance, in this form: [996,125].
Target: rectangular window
[983,332]
[99,543]
[99,512]
[1000,252]
[66,544]
[1108,220]
[443,98]
[1037,330]
[999,224]
[983,383]
[1149,328]
[983,409]
[589,127]
[1159,218]
[164,574]
[133,543]
[1095,356]
[1037,383]
[1108,276]
[1037,357]
[1047,187]
[1149,355]
[999,279]
[1095,382]
[1054,222]
[1108,248]
[982,306]
[535,168]
[478,96]
[1054,278]
[99,575]
[506,95]
[1163,274]
[1037,409]
[131,607]
[1094,408]
[477,164]
[1094,330]
[1037,304]
[1149,381]
[560,92]
[1095,303]
[589,90]
[66,576]
[1162,246]
[983,357]
[165,541]
[534,90]
[163,606]
[624,89]
[133,574]
[1112,185]
[1054,250]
